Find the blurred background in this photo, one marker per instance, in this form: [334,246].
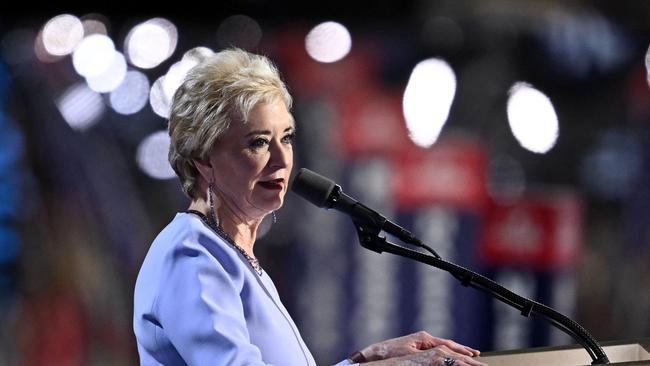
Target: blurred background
[511,136]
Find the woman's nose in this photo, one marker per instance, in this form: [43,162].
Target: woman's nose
[280,154]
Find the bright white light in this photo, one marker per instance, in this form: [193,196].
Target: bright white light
[163,89]
[80,106]
[94,55]
[160,103]
[328,42]
[111,78]
[132,95]
[427,100]
[532,118]
[41,53]
[61,34]
[152,156]
[175,75]
[239,31]
[150,43]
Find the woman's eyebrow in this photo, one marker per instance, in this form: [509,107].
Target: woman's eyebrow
[258,132]
[268,132]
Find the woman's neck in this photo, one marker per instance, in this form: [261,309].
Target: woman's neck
[243,231]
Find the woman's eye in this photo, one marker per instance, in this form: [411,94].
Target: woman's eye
[289,139]
[257,143]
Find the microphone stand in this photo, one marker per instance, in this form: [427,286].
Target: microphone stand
[369,238]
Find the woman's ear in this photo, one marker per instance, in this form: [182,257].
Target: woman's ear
[205,169]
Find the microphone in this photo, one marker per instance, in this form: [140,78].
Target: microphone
[324,193]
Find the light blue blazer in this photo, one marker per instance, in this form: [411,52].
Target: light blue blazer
[198,302]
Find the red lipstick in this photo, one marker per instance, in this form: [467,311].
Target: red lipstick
[275,184]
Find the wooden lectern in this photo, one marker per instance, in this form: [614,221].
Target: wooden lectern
[631,352]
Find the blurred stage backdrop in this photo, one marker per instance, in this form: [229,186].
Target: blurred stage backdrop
[511,136]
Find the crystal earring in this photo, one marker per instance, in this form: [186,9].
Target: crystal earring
[213,214]
[274,218]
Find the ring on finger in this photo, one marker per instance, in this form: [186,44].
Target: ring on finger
[449,361]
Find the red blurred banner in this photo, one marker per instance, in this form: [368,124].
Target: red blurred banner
[370,124]
[451,173]
[540,231]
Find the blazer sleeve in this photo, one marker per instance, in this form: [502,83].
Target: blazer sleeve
[200,309]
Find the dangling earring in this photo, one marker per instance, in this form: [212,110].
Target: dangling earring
[274,219]
[213,214]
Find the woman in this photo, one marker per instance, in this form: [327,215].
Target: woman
[201,297]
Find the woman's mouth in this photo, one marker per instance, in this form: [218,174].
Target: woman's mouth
[274,184]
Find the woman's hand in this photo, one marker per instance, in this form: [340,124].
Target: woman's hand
[413,343]
[436,356]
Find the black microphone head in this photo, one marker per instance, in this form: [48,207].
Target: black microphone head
[313,187]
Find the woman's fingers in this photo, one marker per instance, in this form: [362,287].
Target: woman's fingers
[441,356]
[422,349]
[459,360]
[457,347]
[449,356]
[436,356]
[425,341]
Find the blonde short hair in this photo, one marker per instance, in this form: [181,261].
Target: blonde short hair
[222,89]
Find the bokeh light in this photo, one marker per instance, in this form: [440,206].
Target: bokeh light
[61,34]
[80,106]
[150,43]
[94,26]
[111,78]
[328,42]
[427,100]
[159,102]
[174,77]
[532,118]
[94,55]
[197,54]
[131,95]
[163,89]
[239,31]
[152,156]
[41,53]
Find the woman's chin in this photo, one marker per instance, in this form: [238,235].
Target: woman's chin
[270,205]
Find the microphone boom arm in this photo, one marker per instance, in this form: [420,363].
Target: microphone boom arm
[370,239]
[324,193]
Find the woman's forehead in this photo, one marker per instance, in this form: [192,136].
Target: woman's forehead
[269,114]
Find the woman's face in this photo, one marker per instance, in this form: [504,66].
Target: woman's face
[252,161]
